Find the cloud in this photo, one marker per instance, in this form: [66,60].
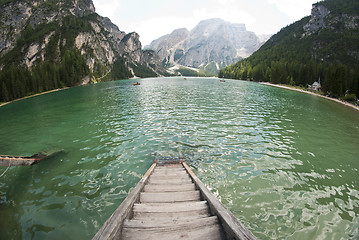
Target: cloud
[153,28]
[232,15]
[293,8]
[108,8]
[155,18]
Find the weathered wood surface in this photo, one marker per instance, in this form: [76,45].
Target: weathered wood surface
[170,202]
[113,226]
[6,160]
[232,226]
[17,161]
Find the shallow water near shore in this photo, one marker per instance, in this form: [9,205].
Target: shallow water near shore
[285,163]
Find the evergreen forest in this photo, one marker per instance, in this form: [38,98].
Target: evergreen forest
[293,58]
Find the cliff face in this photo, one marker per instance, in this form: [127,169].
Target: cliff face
[35,31]
[212,41]
[322,18]
[17,15]
[316,21]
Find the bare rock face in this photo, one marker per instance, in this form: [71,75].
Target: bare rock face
[131,47]
[211,41]
[316,21]
[53,27]
[164,45]
[321,18]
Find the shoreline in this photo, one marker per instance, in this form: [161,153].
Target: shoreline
[311,93]
[263,83]
[34,95]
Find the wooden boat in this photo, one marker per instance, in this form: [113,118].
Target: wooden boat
[6,160]
[170,202]
[137,83]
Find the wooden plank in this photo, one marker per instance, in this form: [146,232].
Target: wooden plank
[169,196]
[113,226]
[233,227]
[169,170]
[169,177]
[208,232]
[170,207]
[170,215]
[170,181]
[172,167]
[5,162]
[165,223]
[182,173]
[169,188]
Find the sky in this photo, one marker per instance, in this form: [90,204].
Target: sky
[152,19]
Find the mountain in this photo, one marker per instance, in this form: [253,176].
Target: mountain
[323,46]
[47,44]
[212,44]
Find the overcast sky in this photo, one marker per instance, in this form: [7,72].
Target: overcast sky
[155,18]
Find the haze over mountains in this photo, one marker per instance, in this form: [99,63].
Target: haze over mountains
[213,43]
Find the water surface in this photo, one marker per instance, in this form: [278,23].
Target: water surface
[285,163]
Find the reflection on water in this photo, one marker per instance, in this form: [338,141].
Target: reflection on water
[283,162]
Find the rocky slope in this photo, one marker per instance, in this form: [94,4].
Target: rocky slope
[323,46]
[212,41]
[38,32]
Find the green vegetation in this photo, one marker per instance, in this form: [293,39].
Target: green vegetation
[142,71]
[59,69]
[120,70]
[3,2]
[291,58]
[18,81]
[202,71]
[187,72]
[60,64]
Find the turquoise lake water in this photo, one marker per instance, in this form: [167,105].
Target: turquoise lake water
[285,163]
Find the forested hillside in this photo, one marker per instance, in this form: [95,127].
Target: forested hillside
[322,46]
[52,44]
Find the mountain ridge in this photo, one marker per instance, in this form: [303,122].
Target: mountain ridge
[212,41]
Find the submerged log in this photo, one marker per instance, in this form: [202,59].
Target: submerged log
[8,160]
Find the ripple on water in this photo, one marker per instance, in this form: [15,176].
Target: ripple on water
[277,159]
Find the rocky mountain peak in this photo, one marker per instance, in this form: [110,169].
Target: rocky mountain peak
[212,42]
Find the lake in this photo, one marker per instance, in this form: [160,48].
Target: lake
[285,163]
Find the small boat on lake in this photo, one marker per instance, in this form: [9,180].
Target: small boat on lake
[170,202]
[136,84]
[7,160]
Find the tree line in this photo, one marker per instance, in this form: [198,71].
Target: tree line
[19,81]
[336,79]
